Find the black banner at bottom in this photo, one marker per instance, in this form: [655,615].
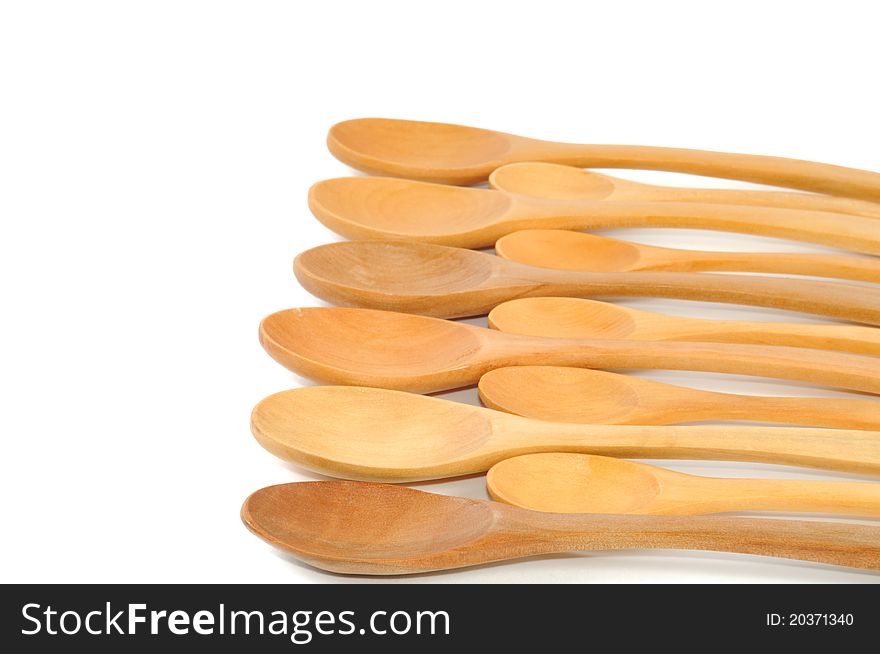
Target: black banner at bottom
[398,617]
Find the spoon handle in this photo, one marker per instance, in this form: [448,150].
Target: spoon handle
[852,545]
[844,338]
[861,268]
[848,232]
[778,199]
[833,299]
[817,412]
[830,449]
[851,371]
[775,171]
[848,498]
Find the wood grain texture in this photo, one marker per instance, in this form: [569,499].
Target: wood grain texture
[585,396]
[376,529]
[382,435]
[566,250]
[451,282]
[567,183]
[585,483]
[392,208]
[455,154]
[577,318]
[402,351]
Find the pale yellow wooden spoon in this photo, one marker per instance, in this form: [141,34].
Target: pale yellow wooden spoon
[382,435]
[451,282]
[564,317]
[391,208]
[457,154]
[584,483]
[567,250]
[416,353]
[355,527]
[586,396]
[567,183]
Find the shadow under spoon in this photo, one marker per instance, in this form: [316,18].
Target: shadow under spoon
[375,529]
[391,208]
[457,154]
[598,397]
[585,483]
[376,434]
[451,282]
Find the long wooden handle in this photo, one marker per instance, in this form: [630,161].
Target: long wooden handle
[820,412]
[848,498]
[831,449]
[778,199]
[852,545]
[844,338]
[856,233]
[775,171]
[851,371]
[860,268]
[845,301]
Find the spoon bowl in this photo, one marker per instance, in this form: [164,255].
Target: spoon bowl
[376,529]
[380,207]
[584,483]
[575,483]
[555,182]
[298,518]
[294,426]
[565,250]
[373,348]
[439,152]
[456,154]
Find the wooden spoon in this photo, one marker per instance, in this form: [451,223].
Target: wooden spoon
[546,180]
[391,208]
[584,483]
[563,317]
[455,154]
[599,397]
[451,282]
[565,250]
[416,353]
[359,528]
[382,435]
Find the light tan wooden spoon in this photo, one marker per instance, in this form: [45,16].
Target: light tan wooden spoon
[546,180]
[584,483]
[451,282]
[391,208]
[376,529]
[382,435]
[562,317]
[457,154]
[398,350]
[566,250]
[599,397]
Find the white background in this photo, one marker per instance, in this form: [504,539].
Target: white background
[154,163]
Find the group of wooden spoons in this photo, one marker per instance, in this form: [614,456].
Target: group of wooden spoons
[558,429]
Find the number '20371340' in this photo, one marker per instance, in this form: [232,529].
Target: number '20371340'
[810,620]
